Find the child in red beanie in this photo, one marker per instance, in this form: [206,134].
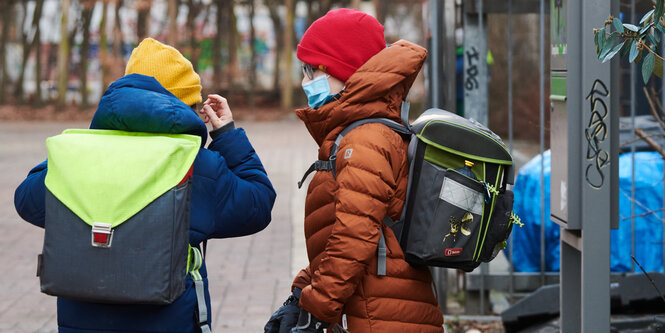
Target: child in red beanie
[349,75]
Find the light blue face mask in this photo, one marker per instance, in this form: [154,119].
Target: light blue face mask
[318,91]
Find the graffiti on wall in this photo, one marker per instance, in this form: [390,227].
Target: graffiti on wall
[596,133]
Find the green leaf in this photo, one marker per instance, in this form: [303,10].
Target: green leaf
[658,68]
[646,16]
[604,51]
[631,27]
[647,67]
[660,8]
[612,52]
[652,39]
[639,57]
[633,51]
[611,44]
[626,47]
[617,25]
[660,28]
[645,28]
[601,39]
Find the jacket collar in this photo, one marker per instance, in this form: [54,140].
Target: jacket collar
[375,90]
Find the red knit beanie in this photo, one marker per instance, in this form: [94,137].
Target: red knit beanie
[341,41]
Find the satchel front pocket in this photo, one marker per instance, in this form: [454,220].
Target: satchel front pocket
[459,214]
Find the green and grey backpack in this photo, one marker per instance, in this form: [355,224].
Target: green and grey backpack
[458,211]
[117,218]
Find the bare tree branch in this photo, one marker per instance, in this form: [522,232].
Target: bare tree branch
[653,109]
[650,141]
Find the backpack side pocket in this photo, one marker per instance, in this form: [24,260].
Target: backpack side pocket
[499,228]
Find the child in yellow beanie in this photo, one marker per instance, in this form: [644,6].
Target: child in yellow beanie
[169,67]
[231,195]
[175,73]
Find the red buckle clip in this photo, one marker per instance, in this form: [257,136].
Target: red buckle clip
[102,235]
[189,175]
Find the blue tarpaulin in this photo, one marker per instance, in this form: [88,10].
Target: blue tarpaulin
[648,226]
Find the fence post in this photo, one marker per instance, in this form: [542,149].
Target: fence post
[583,162]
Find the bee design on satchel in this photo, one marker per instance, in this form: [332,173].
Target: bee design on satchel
[457,225]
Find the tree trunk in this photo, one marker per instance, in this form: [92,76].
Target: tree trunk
[252,65]
[355,4]
[86,16]
[221,17]
[193,12]
[143,18]
[233,45]
[310,13]
[63,55]
[287,88]
[324,7]
[381,7]
[37,42]
[28,45]
[25,45]
[118,43]
[7,9]
[279,45]
[50,72]
[104,47]
[73,33]
[172,12]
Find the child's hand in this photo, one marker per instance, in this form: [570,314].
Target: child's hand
[216,110]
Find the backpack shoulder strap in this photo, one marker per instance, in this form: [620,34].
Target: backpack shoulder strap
[405,114]
[399,128]
[382,250]
[330,164]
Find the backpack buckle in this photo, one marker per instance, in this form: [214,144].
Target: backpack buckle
[102,235]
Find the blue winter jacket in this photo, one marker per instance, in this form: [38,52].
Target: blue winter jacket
[231,196]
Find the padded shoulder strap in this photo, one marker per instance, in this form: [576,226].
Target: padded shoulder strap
[330,164]
[399,128]
[405,114]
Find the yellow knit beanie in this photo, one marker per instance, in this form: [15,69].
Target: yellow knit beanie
[171,69]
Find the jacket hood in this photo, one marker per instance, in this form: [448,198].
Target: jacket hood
[375,90]
[139,103]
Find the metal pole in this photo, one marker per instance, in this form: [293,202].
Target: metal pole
[475,64]
[510,75]
[662,98]
[440,274]
[632,149]
[434,30]
[483,59]
[511,268]
[541,69]
[449,54]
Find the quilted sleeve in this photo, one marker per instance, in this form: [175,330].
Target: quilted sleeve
[29,196]
[366,184]
[303,279]
[243,193]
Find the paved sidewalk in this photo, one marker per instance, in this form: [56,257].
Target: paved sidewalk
[249,276]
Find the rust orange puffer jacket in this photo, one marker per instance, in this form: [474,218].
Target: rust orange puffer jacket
[343,215]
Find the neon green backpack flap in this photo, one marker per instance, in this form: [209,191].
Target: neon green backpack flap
[108,176]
